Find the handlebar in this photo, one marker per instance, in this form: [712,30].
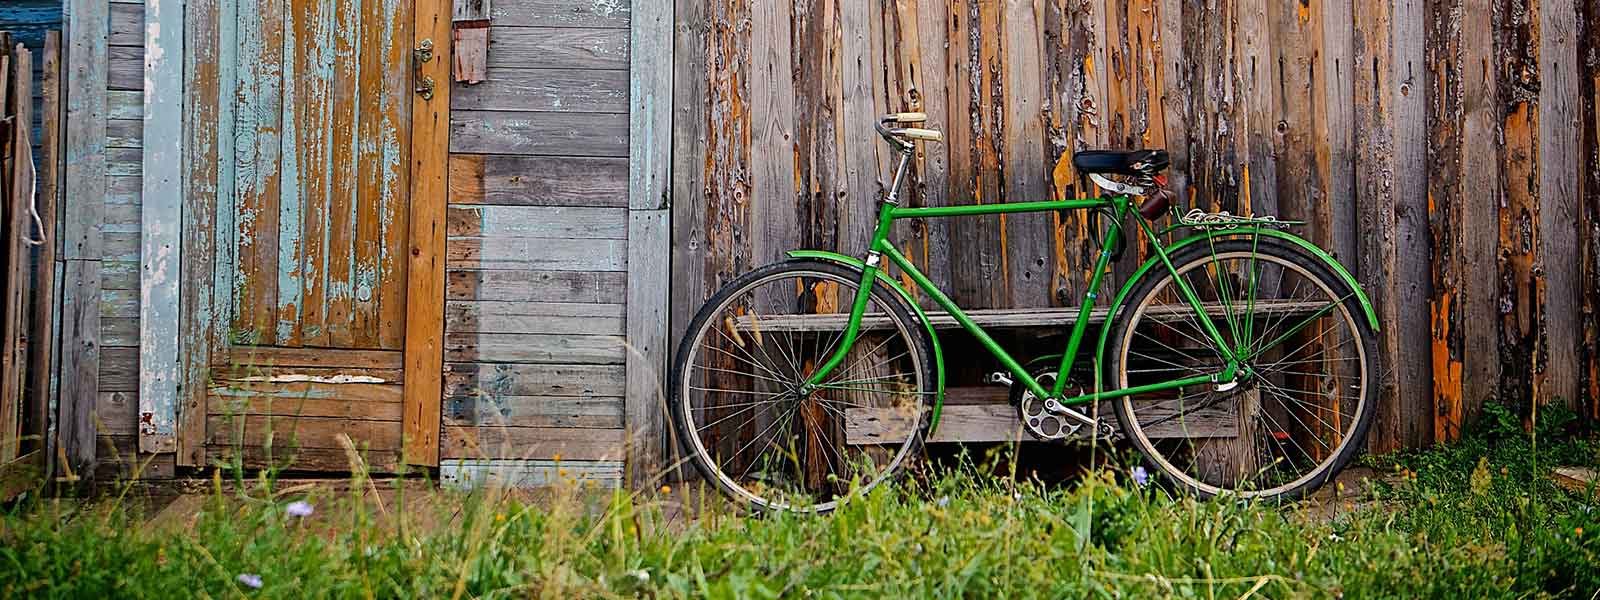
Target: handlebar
[901,137]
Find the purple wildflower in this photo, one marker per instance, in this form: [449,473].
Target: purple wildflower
[1141,477]
[299,508]
[250,580]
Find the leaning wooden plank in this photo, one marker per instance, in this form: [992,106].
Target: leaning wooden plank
[41,357]
[18,251]
[161,226]
[529,474]
[85,181]
[425,293]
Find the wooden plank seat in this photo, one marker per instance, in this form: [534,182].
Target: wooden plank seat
[1011,317]
[983,414]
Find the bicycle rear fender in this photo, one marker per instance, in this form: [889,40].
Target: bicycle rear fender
[938,352]
[1327,259]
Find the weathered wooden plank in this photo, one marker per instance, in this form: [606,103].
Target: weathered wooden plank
[772,129]
[42,359]
[547,90]
[127,25]
[309,133]
[649,290]
[546,254]
[561,13]
[84,177]
[257,158]
[595,412]
[537,222]
[344,177]
[161,218]
[530,474]
[562,181]
[534,317]
[557,48]
[532,443]
[534,348]
[288,432]
[979,423]
[537,286]
[545,133]
[235,373]
[470,379]
[1559,176]
[1520,284]
[120,460]
[690,104]
[1411,331]
[19,175]
[425,268]
[125,68]
[118,370]
[1026,237]
[125,133]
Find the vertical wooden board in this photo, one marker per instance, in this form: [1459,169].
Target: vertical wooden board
[41,355]
[201,122]
[255,166]
[1254,75]
[690,106]
[648,289]
[423,326]
[860,152]
[1027,237]
[1411,216]
[1559,133]
[650,235]
[1444,82]
[772,124]
[376,26]
[314,24]
[924,45]
[13,399]
[1589,199]
[1520,286]
[399,164]
[1374,139]
[727,186]
[344,176]
[84,184]
[161,226]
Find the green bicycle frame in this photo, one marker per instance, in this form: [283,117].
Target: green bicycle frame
[1120,206]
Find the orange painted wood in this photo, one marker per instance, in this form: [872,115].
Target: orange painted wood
[425,294]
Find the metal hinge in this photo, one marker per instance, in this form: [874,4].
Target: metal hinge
[421,55]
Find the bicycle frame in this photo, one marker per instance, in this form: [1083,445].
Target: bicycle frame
[1120,206]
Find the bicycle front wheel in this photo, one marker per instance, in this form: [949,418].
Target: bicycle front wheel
[751,424]
[1302,402]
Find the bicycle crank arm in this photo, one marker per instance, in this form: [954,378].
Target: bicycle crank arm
[1105,430]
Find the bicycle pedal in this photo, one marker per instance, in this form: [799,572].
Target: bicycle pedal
[998,378]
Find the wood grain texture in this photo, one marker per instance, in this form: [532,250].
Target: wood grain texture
[161,226]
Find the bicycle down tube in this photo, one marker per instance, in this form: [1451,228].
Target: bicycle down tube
[889,212]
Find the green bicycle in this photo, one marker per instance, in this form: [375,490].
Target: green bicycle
[1238,359]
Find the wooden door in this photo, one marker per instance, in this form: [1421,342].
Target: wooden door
[326,121]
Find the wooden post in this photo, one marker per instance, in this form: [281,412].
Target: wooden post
[14,100]
[41,358]
[430,147]
[205,238]
[161,216]
[649,236]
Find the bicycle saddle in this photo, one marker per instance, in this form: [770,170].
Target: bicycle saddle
[1121,162]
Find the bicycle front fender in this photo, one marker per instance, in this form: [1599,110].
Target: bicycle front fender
[1327,259]
[938,351]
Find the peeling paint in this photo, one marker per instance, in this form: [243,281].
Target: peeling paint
[299,378]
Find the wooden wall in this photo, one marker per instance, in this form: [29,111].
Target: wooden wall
[1445,150]
[537,247]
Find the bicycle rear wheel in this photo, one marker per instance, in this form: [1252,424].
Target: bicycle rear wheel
[1303,402]
[745,415]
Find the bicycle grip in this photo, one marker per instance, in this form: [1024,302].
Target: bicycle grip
[927,135]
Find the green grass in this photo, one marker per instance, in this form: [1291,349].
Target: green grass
[1476,519]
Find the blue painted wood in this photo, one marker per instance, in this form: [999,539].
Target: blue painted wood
[649,234]
[161,225]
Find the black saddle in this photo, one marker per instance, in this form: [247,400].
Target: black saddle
[1148,163]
